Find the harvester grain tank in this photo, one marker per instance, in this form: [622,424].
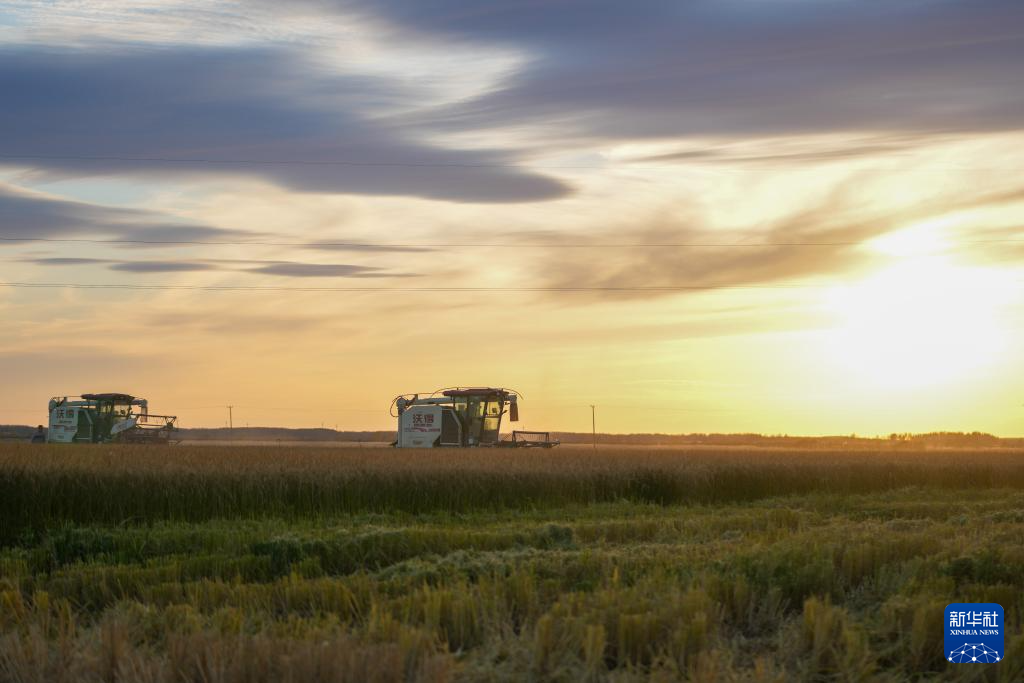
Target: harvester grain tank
[106,418]
[462,417]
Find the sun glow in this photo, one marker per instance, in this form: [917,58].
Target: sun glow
[921,323]
[926,237]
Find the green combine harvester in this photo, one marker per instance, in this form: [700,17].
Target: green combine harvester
[107,418]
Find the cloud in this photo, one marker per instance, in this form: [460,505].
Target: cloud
[590,72]
[33,216]
[253,267]
[355,246]
[263,113]
[711,267]
[36,216]
[160,266]
[837,226]
[293,269]
[791,153]
[612,70]
[68,261]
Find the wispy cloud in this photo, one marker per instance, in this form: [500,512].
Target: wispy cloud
[252,267]
[824,239]
[293,269]
[68,261]
[160,266]
[37,216]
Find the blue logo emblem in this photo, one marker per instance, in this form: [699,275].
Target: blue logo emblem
[974,633]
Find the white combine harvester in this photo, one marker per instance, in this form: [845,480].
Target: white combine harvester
[106,418]
[462,417]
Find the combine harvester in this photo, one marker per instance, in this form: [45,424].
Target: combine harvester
[106,418]
[462,417]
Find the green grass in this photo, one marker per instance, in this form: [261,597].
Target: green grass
[212,564]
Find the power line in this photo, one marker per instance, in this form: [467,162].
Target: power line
[640,161]
[475,245]
[255,288]
[281,162]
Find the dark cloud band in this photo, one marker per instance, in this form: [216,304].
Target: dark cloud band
[192,111]
[33,216]
[254,267]
[611,70]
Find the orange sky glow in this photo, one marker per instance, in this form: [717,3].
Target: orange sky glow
[819,236]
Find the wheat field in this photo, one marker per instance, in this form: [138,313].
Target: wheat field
[264,563]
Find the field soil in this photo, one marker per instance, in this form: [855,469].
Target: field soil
[290,563]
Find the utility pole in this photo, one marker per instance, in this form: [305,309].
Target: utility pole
[593,425]
[231,419]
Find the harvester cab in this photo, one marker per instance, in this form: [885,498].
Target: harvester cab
[462,417]
[105,418]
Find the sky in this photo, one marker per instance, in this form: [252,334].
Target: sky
[775,216]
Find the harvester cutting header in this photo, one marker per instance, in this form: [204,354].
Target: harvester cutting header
[103,418]
[462,417]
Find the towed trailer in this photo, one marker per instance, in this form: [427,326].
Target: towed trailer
[107,418]
[462,417]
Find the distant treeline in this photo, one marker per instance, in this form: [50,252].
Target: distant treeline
[281,434]
[930,440]
[16,432]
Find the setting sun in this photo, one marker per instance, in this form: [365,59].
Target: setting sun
[917,324]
